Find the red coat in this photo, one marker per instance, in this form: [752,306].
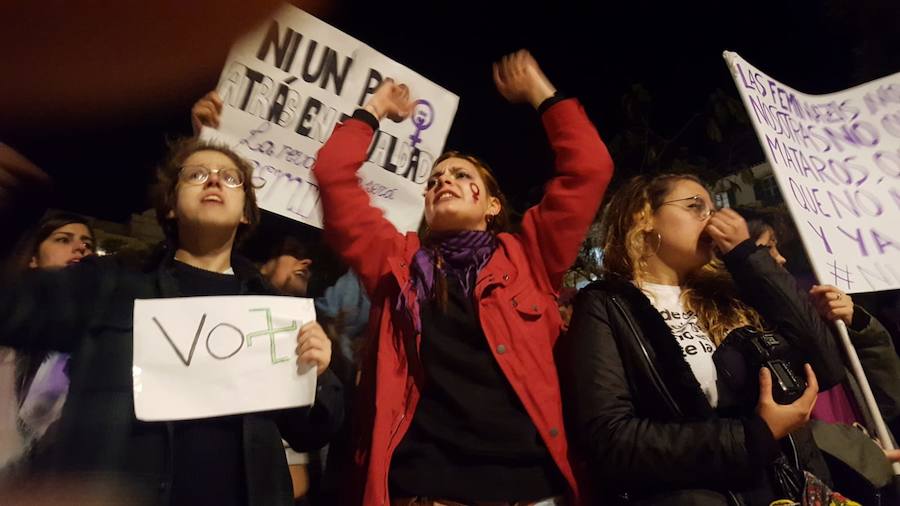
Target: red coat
[515,292]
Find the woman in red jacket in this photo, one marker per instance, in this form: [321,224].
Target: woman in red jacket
[460,400]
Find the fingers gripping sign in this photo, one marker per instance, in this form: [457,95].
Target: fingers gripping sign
[313,347]
[832,303]
[892,455]
[206,112]
[391,100]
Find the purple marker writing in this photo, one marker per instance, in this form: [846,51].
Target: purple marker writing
[422,117]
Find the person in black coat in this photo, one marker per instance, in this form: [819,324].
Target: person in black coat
[854,457]
[645,400]
[205,204]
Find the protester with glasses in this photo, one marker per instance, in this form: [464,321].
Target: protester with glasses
[658,414]
[204,205]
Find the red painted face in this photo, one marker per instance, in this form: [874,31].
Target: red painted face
[476,192]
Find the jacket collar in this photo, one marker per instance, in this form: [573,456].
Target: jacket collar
[667,357]
[499,271]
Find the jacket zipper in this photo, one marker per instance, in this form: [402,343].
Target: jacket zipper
[657,379]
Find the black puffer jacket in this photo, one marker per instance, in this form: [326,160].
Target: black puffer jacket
[636,410]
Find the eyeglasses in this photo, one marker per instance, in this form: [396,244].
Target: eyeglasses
[199,174]
[698,206]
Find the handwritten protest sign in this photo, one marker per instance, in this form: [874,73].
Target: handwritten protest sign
[285,87]
[198,357]
[836,158]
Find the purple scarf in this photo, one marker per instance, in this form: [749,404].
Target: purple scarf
[460,255]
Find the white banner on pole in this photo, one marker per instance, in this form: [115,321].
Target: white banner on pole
[836,158]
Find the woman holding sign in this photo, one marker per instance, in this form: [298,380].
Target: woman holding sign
[460,399]
[856,465]
[688,380]
[204,204]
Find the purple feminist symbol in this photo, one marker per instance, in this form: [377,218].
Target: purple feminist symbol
[422,118]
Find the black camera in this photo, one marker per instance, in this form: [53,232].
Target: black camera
[745,350]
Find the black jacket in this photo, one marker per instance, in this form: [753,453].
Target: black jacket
[87,310]
[875,348]
[636,410]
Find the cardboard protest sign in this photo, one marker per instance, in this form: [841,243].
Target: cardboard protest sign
[285,87]
[198,357]
[836,158]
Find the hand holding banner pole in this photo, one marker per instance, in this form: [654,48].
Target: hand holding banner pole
[871,406]
[847,245]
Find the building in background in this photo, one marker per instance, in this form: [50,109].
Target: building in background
[753,187]
[138,236]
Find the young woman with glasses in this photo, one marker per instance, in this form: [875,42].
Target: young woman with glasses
[205,205]
[645,398]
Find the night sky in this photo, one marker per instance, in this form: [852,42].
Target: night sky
[592,50]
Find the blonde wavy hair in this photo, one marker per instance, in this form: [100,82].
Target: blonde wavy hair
[709,292]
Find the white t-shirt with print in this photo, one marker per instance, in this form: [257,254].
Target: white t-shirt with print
[696,346]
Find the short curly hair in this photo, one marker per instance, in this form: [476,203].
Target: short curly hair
[165,190]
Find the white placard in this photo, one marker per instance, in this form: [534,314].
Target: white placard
[287,84]
[836,158]
[199,357]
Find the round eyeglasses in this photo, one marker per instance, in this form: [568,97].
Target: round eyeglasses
[199,174]
[697,206]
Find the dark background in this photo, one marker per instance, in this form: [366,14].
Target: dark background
[650,74]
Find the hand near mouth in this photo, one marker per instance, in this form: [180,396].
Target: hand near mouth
[727,229]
